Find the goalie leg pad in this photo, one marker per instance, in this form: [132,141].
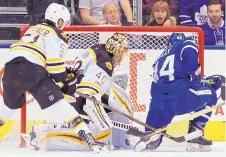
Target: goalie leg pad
[70,116]
[118,99]
[97,115]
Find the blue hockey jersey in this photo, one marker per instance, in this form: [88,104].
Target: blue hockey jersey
[193,12]
[213,36]
[175,63]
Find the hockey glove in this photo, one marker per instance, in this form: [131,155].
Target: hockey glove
[213,81]
[195,76]
[69,86]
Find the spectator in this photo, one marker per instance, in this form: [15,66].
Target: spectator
[148,5]
[214,28]
[111,13]
[36,8]
[194,12]
[91,10]
[160,15]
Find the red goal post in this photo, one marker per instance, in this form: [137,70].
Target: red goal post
[145,43]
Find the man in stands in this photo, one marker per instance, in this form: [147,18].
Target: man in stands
[91,10]
[214,28]
[194,12]
[111,14]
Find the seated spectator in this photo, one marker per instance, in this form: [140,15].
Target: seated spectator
[111,14]
[160,15]
[194,12]
[214,28]
[36,8]
[148,5]
[91,10]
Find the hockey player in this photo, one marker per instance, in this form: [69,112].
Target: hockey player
[94,68]
[34,64]
[177,90]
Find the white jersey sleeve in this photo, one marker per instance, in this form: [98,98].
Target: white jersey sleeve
[43,45]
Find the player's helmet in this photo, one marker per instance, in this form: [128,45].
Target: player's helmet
[175,37]
[117,45]
[55,11]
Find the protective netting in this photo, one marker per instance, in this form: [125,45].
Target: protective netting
[139,40]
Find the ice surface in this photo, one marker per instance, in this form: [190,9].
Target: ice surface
[219,150]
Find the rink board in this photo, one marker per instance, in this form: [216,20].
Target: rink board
[214,63]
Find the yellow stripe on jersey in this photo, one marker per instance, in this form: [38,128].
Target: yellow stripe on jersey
[49,28]
[28,44]
[122,102]
[33,52]
[54,60]
[55,65]
[95,86]
[56,69]
[92,52]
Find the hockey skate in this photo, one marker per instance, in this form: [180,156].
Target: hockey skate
[92,142]
[31,140]
[148,143]
[198,144]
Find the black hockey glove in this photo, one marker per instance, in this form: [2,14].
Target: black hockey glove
[69,86]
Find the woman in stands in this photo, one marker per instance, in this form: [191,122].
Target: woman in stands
[160,15]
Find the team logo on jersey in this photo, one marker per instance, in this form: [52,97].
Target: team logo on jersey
[108,65]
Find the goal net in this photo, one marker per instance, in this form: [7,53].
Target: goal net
[146,44]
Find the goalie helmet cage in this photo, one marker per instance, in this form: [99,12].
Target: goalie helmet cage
[142,40]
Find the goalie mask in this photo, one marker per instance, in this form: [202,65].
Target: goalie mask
[118,46]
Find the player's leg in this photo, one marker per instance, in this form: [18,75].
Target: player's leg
[13,93]
[50,98]
[160,114]
[205,97]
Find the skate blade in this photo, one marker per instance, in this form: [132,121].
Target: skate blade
[194,147]
[98,149]
[27,139]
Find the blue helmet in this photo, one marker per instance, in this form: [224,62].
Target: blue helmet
[176,37]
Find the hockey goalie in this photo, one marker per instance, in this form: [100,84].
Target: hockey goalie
[91,74]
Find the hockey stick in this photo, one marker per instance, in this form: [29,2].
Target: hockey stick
[191,117]
[177,139]
[116,124]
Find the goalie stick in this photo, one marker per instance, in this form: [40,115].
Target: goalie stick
[177,139]
[116,124]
